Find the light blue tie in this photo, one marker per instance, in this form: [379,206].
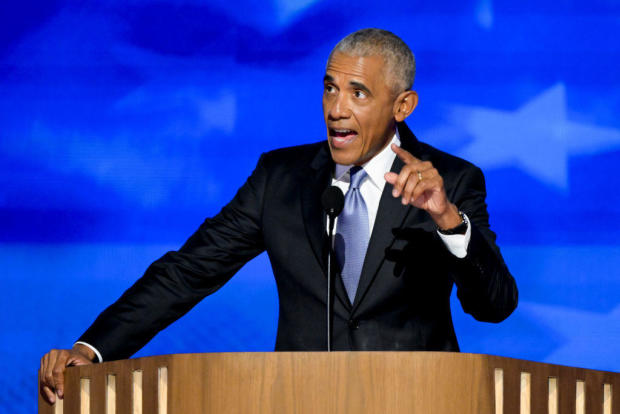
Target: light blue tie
[352,233]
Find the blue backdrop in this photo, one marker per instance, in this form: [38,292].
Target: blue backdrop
[123,124]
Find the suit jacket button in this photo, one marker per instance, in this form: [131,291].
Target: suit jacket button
[353,324]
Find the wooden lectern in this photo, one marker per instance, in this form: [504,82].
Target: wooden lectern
[336,382]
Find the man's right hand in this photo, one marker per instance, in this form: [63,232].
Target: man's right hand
[53,365]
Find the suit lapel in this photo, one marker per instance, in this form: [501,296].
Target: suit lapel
[391,215]
[314,181]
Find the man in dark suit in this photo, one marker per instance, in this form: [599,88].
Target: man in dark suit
[414,224]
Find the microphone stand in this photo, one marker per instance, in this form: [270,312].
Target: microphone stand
[333,203]
[330,284]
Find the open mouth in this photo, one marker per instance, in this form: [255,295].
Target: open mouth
[342,136]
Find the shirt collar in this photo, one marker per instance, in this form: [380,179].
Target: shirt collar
[376,167]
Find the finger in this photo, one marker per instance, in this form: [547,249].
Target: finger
[58,372]
[425,166]
[413,189]
[426,185]
[403,154]
[46,374]
[78,360]
[411,184]
[48,394]
[42,367]
[42,371]
[401,180]
[390,177]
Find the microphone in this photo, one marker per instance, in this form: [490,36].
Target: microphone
[333,203]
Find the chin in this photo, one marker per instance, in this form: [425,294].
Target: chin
[343,157]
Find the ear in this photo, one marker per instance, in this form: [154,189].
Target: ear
[404,105]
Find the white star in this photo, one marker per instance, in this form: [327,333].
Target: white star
[591,339]
[538,137]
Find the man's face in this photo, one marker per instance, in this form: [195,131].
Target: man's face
[358,108]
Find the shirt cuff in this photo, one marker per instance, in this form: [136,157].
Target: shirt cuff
[92,348]
[457,243]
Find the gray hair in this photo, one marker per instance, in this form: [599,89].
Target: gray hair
[399,60]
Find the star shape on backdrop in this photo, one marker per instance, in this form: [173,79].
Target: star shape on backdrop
[588,337]
[538,137]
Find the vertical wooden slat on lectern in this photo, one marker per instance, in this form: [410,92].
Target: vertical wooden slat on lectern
[540,390]
[525,393]
[149,386]
[110,394]
[566,391]
[85,395]
[71,401]
[552,396]
[607,399]
[512,386]
[136,392]
[538,378]
[123,387]
[97,392]
[499,390]
[580,397]
[162,390]
[594,392]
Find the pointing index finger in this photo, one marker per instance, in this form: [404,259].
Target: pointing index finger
[404,155]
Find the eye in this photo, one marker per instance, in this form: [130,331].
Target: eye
[328,88]
[360,94]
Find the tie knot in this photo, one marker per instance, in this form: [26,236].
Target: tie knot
[357,176]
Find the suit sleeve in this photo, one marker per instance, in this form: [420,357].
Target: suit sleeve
[485,287]
[176,282]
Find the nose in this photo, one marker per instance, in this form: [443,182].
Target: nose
[339,108]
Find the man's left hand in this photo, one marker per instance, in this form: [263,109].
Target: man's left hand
[420,185]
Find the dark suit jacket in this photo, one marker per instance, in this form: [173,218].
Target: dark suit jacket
[403,299]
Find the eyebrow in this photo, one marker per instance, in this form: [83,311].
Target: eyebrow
[354,84]
[360,86]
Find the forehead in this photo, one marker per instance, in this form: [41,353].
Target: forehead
[369,69]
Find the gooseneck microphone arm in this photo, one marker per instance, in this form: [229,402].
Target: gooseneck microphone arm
[333,203]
